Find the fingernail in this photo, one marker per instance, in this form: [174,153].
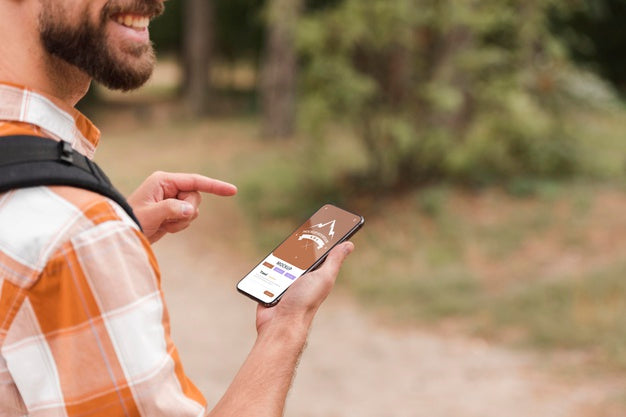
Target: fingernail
[187,209]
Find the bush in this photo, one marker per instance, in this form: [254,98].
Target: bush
[470,92]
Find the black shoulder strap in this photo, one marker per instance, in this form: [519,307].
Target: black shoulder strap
[30,161]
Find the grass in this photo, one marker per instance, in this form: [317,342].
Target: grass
[605,140]
[580,311]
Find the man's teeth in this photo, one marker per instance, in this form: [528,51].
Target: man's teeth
[133,21]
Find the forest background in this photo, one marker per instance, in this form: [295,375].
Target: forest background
[484,141]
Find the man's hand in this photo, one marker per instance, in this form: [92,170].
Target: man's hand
[303,298]
[168,203]
[260,387]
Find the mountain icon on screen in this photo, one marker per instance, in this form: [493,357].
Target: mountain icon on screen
[331,231]
[320,234]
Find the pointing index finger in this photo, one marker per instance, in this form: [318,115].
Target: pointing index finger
[174,183]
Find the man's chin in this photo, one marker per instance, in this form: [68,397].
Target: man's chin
[123,81]
[127,72]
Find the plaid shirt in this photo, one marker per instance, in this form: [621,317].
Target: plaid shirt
[84,330]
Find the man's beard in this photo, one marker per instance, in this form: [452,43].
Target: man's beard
[87,47]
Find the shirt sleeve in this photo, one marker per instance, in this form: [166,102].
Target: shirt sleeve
[91,336]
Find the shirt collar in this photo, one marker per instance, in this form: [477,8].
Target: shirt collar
[20,104]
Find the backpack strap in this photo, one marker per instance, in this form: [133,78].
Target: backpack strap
[30,161]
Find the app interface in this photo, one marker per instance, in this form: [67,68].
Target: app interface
[298,253]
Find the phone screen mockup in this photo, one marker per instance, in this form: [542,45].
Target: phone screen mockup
[305,249]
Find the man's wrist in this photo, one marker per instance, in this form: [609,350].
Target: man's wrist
[291,331]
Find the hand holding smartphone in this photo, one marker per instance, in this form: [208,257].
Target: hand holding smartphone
[303,251]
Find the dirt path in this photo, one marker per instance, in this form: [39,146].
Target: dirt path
[354,366]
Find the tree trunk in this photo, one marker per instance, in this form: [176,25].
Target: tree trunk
[198,15]
[279,70]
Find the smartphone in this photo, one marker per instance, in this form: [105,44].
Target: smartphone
[303,251]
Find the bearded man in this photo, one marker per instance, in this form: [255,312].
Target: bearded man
[84,328]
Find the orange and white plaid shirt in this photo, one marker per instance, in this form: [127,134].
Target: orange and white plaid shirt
[84,330]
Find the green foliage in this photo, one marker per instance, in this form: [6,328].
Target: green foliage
[239,29]
[166,30]
[594,32]
[472,92]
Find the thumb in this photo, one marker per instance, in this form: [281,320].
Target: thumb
[336,257]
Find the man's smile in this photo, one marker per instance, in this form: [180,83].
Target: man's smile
[132,20]
[132,26]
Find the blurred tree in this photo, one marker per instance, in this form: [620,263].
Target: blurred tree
[167,30]
[198,18]
[239,29]
[236,32]
[317,5]
[475,92]
[594,31]
[279,69]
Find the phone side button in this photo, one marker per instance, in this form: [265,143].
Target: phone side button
[269,294]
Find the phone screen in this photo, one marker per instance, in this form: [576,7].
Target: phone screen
[302,251]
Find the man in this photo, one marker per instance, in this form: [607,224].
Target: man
[83,326]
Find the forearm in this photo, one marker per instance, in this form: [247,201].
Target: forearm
[261,385]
